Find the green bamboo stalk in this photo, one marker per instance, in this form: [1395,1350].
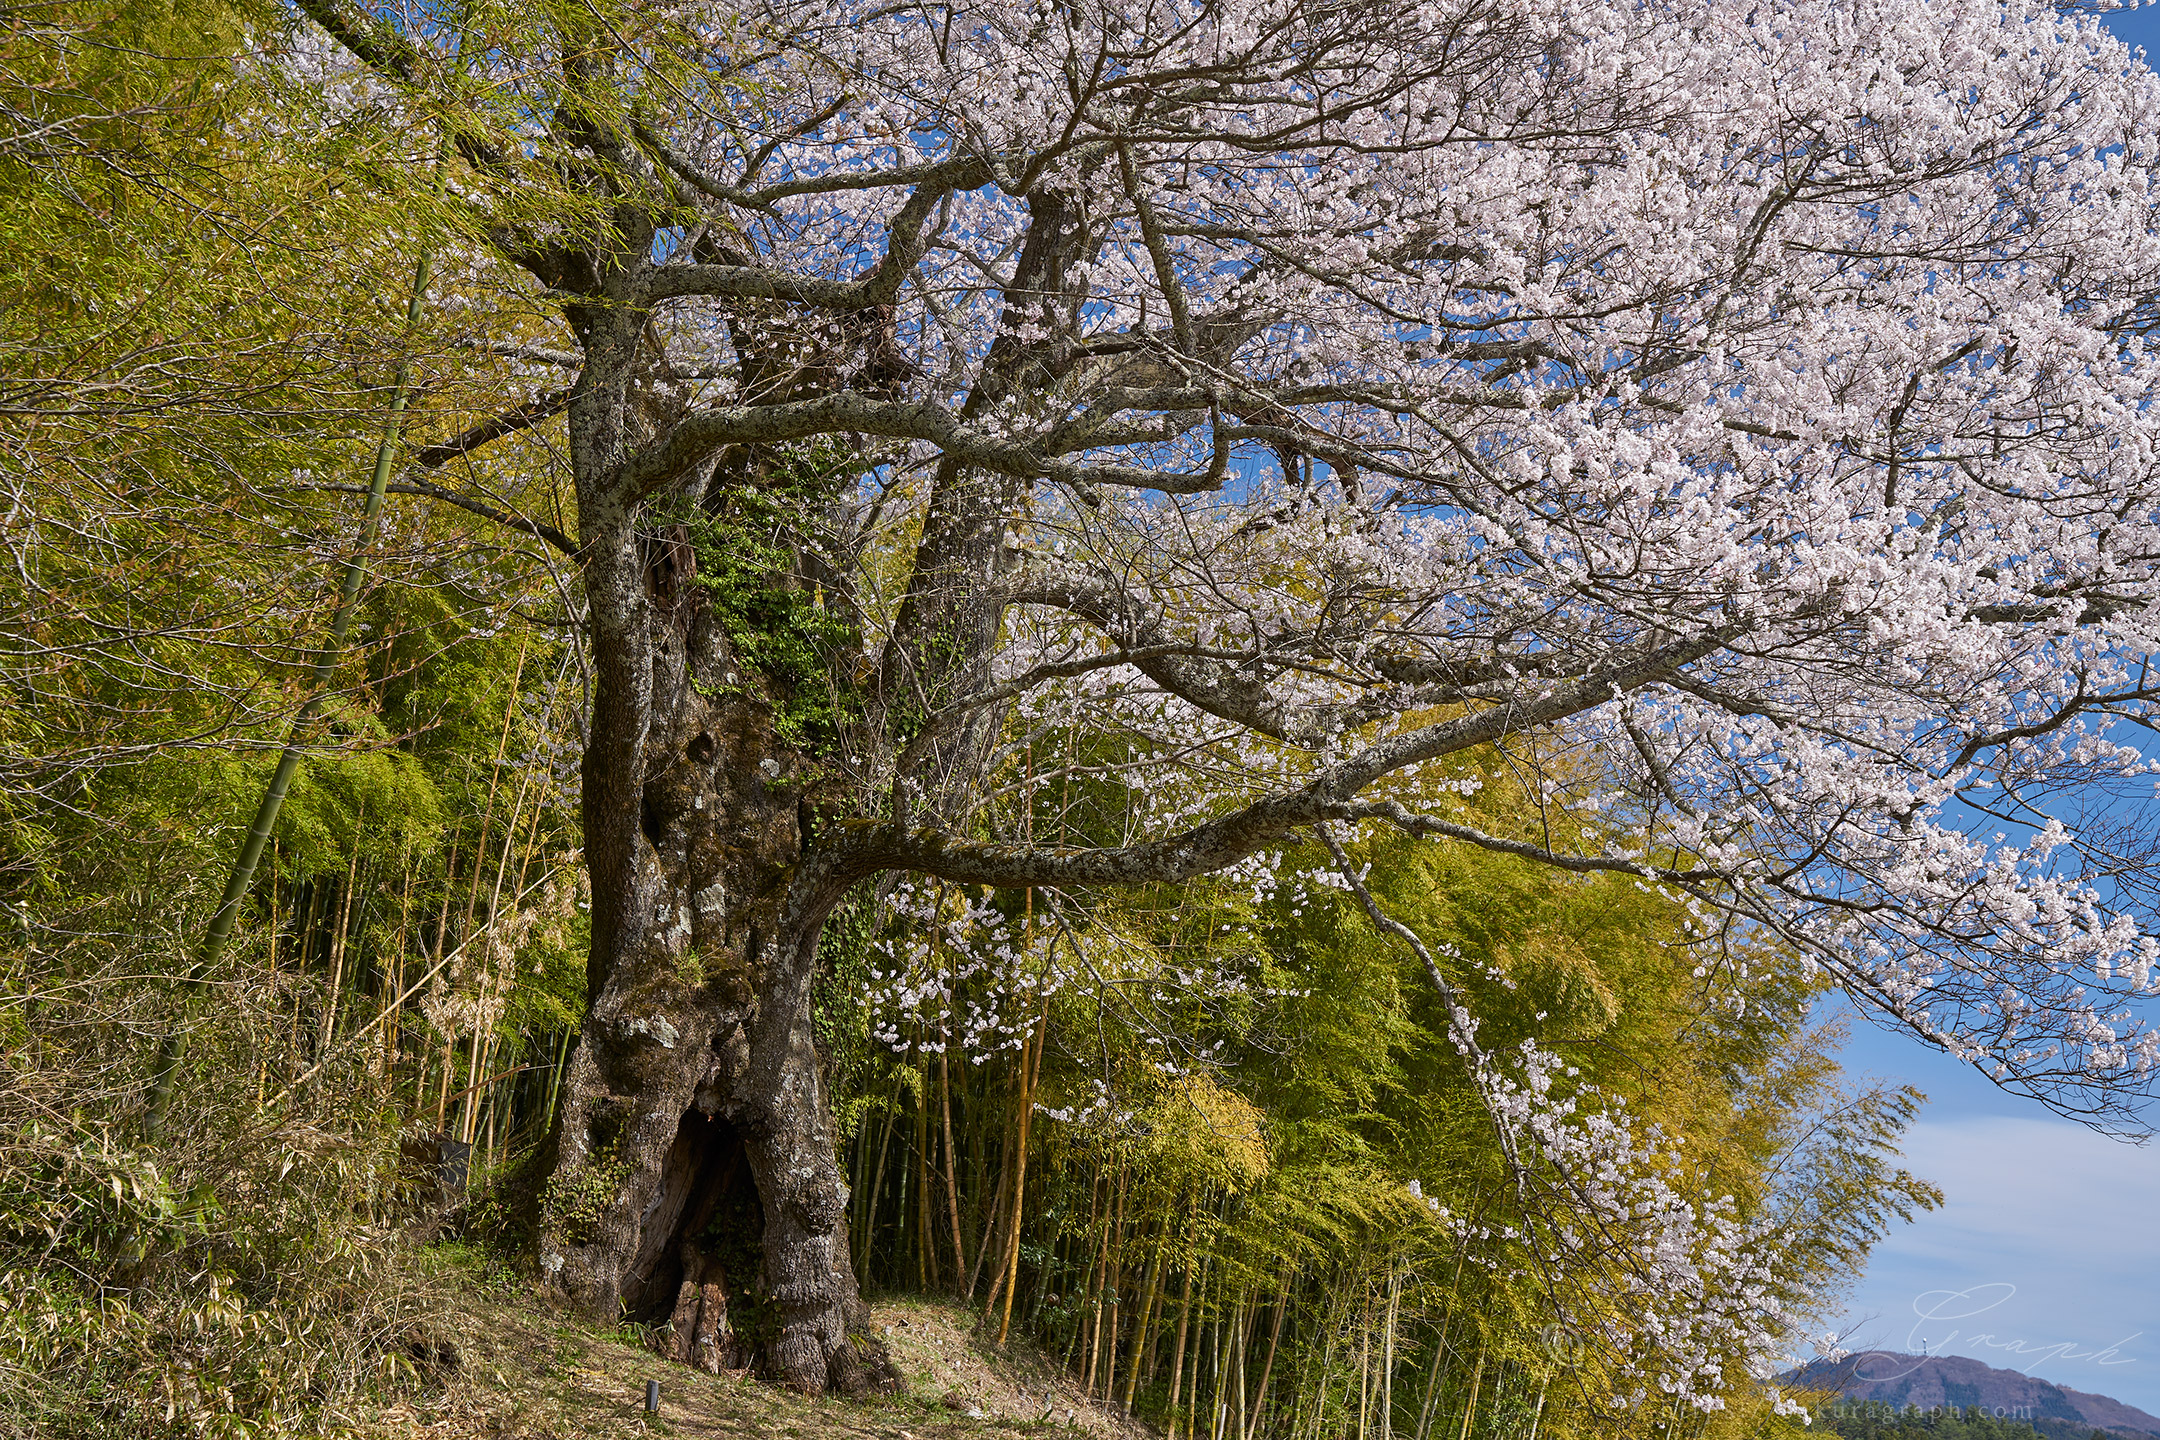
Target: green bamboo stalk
[352,573]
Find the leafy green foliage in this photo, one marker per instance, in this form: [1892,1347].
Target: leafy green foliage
[573,1205]
[839,1013]
[750,570]
[236,1282]
[1300,1133]
[207,264]
[204,317]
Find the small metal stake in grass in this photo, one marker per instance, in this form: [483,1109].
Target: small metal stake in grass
[652,1397]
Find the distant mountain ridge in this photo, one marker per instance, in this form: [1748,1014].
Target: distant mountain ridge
[1955,1381]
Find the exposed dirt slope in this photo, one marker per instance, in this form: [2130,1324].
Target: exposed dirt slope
[521,1373]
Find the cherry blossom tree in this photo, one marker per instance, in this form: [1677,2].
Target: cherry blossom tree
[1734,412]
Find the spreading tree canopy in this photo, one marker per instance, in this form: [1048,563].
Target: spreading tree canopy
[1728,415]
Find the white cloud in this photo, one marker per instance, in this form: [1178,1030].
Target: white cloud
[2041,1259]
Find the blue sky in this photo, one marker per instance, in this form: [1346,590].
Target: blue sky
[2138,27]
[2044,1255]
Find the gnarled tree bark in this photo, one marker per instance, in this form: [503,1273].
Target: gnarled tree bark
[695,1181]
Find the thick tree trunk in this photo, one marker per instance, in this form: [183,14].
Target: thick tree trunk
[695,1184]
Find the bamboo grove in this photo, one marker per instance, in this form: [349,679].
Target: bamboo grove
[1280,1210]
[1211,1146]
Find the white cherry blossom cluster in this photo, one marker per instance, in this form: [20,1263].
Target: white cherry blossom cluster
[955,974]
[1679,1288]
[1727,422]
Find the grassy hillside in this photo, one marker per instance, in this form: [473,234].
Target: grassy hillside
[504,1367]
